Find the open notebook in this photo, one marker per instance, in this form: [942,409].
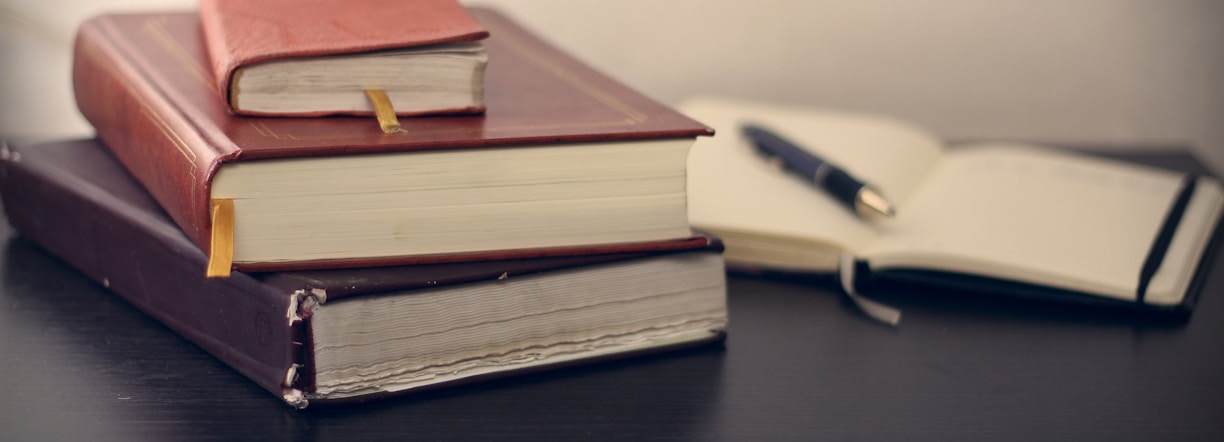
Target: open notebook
[1015,214]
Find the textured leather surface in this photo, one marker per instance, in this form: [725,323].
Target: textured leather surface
[239,33]
[75,200]
[142,81]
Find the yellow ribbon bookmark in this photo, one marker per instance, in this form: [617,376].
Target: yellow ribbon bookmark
[221,257]
[384,111]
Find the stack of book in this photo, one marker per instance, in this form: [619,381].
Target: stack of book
[535,218]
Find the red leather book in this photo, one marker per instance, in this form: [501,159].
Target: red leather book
[242,33]
[561,150]
[303,335]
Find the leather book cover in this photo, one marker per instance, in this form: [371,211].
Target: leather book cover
[144,83]
[240,33]
[76,201]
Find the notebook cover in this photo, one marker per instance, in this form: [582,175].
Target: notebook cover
[73,199]
[240,33]
[142,80]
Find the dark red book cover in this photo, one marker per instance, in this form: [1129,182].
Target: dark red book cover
[240,33]
[76,201]
[143,81]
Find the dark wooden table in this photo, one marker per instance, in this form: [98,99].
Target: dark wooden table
[77,363]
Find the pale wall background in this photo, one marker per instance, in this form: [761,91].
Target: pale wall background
[1125,71]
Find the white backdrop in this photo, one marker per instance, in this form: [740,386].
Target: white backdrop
[1123,71]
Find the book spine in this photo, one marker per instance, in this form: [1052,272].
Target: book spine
[221,56]
[153,139]
[150,264]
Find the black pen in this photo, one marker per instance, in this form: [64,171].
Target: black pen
[855,194]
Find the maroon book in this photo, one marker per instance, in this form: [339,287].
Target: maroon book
[241,34]
[143,81]
[355,334]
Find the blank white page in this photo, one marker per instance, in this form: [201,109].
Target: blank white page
[731,188]
[1043,216]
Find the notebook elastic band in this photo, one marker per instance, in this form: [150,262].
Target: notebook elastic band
[1161,244]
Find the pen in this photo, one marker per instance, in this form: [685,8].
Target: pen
[855,194]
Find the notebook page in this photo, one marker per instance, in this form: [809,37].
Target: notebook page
[1169,284]
[731,188]
[1032,214]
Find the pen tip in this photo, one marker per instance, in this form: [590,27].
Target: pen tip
[870,201]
